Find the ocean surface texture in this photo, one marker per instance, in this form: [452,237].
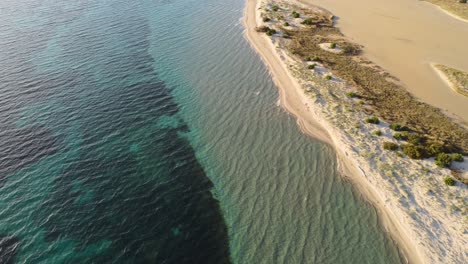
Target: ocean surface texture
[149,132]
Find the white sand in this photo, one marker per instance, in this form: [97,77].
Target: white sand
[416,207]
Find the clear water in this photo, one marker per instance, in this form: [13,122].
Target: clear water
[149,132]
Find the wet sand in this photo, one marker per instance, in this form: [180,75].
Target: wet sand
[405,37]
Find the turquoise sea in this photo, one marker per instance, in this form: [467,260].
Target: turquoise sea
[149,132]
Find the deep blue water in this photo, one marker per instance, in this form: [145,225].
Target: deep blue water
[95,164]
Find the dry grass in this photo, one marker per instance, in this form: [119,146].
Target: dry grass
[388,99]
[452,6]
[458,78]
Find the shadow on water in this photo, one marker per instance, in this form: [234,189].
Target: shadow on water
[129,188]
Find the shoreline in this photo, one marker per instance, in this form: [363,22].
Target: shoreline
[315,124]
[313,128]
[455,16]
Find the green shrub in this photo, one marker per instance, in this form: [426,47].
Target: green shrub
[328,77]
[373,120]
[286,24]
[400,136]
[462,1]
[351,94]
[275,8]
[295,14]
[316,58]
[398,127]
[443,160]
[270,32]
[449,181]
[311,66]
[457,157]
[414,152]
[377,133]
[266,19]
[390,146]
[308,21]
[415,139]
[434,148]
[333,45]
[307,59]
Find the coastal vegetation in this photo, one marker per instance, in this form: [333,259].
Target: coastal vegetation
[426,130]
[449,181]
[372,120]
[398,127]
[443,160]
[386,98]
[377,133]
[457,157]
[308,21]
[390,146]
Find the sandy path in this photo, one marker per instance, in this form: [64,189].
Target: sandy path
[294,101]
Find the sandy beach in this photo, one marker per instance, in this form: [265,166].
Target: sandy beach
[424,230]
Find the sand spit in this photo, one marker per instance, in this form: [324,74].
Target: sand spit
[452,8]
[427,218]
[456,79]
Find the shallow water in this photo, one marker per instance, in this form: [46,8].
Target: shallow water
[404,37]
[149,132]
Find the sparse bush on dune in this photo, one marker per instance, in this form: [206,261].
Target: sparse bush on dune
[390,146]
[443,160]
[270,32]
[457,157]
[308,22]
[266,19]
[434,148]
[286,24]
[333,45]
[449,181]
[398,127]
[401,136]
[377,133]
[328,77]
[295,14]
[414,152]
[415,139]
[311,66]
[351,94]
[275,8]
[373,120]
